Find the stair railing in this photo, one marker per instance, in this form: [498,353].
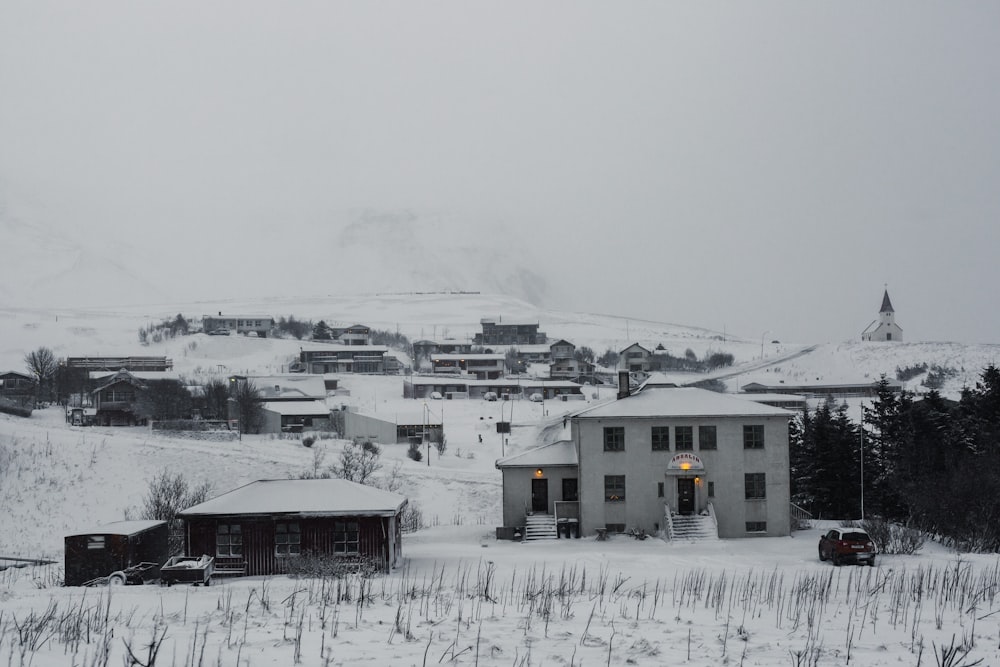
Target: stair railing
[715,519]
[668,522]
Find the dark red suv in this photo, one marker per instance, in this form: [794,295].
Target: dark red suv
[847,545]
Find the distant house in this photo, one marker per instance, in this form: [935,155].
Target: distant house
[423,349]
[482,366]
[395,428]
[290,403]
[357,334]
[115,400]
[460,387]
[260,325]
[17,387]
[112,364]
[565,365]
[262,528]
[634,358]
[846,390]
[658,453]
[496,333]
[338,358]
[533,354]
[884,329]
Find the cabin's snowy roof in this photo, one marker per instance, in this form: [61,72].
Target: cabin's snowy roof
[119,528]
[559,453]
[461,356]
[297,408]
[305,497]
[682,402]
[139,375]
[290,386]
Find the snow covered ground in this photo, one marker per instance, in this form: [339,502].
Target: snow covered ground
[462,597]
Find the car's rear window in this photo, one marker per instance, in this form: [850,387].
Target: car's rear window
[856,537]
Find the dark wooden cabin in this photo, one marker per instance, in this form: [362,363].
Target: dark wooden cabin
[258,528]
[105,549]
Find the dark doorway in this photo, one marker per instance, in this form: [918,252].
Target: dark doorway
[570,491]
[540,495]
[685,495]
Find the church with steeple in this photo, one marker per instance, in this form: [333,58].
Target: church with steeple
[885,327]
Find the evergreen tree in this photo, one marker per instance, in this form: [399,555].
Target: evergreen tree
[321,331]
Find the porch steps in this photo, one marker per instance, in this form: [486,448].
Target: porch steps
[540,526]
[693,528]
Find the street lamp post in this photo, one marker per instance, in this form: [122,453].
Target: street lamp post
[762,344]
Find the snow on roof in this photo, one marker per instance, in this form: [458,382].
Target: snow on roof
[338,347]
[119,528]
[467,355]
[297,408]
[316,497]
[559,453]
[682,402]
[290,386]
[139,375]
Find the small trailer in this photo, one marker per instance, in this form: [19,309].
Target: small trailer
[188,570]
[134,575]
[121,552]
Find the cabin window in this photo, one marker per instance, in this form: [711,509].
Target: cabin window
[229,540]
[287,539]
[95,541]
[614,439]
[614,488]
[753,436]
[660,436]
[756,526]
[345,537]
[755,486]
[684,438]
[707,438]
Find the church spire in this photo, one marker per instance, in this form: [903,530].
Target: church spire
[886,304]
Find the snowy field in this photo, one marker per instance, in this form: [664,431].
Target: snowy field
[462,597]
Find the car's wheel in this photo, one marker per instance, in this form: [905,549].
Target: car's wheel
[836,559]
[871,562]
[821,556]
[116,579]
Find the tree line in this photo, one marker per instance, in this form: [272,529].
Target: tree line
[932,463]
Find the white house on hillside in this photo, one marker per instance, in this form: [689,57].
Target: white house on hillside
[636,462]
[885,327]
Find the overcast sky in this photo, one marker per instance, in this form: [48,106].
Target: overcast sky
[754,166]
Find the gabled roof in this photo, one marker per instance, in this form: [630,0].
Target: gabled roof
[13,374]
[685,402]
[120,376]
[292,386]
[559,453]
[119,528]
[886,304]
[562,341]
[297,408]
[302,497]
[634,345]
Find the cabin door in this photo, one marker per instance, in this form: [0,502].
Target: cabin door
[685,495]
[539,495]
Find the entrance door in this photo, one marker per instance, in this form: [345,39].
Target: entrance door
[685,495]
[540,495]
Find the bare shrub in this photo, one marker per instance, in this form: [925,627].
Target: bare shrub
[358,462]
[414,452]
[167,496]
[893,538]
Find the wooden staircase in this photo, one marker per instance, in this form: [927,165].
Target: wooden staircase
[540,526]
[693,528]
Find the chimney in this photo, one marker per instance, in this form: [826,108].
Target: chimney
[623,384]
